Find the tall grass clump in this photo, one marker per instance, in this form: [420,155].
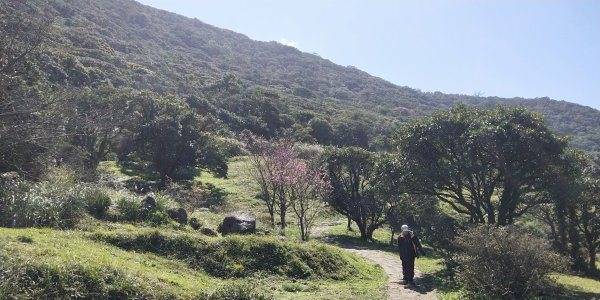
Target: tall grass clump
[235,291]
[129,208]
[34,279]
[505,262]
[97,202]
[55,201]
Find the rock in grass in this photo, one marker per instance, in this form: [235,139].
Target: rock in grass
[179,215]
[208,231]
[147,206]
[195,223]
[239,222]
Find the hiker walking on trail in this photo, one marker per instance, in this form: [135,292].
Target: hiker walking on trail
[409,248]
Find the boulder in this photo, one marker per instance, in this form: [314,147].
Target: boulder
[179,215]
[195,223]
[239,222]
[208,231]
[147,206]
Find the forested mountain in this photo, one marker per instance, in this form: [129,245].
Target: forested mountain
[263,86]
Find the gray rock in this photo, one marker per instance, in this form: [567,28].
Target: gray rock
[147,206]
[195,223]
[179,215]
[239,222]
[183,216]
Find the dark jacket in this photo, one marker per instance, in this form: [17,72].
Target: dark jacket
[409,247]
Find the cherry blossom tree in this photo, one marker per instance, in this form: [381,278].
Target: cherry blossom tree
[306,191]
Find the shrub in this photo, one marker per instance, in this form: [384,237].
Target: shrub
[97,202]
[129,208]
[505,262]
[197,196]
[158,218]
[56,201]
[32,279]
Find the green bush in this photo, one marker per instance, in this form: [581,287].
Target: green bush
[129,208]
[56,201]
[504,262]
[97,202]
[31,279]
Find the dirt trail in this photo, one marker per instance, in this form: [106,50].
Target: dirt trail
[392,267]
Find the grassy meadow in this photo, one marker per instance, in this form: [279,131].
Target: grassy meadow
[118,258]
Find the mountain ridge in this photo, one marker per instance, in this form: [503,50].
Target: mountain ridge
[133,45]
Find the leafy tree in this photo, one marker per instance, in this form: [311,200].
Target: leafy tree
[589,225]
[490,165]
[97,117]
[321,131]
[29,124]
[169,134]
[300,134]
[352,133]
[590,211]
[351,172]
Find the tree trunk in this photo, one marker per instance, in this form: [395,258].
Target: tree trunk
[272,216]
[592,254]
[370,233]
[392,238]
[303,232]
[578,261]
[363,231]
[349,227]
[561,225]
[282,211]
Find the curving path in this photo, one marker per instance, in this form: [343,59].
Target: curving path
[392,267]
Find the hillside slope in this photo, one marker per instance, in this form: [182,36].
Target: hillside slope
[135,46]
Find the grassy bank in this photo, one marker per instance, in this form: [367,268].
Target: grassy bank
[39,263]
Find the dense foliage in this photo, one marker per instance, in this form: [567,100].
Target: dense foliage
[268,88]
[491,165]
[355,194]
[503,262]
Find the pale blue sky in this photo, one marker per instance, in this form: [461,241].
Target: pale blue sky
[526,48]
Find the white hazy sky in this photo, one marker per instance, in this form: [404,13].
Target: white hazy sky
[507,48]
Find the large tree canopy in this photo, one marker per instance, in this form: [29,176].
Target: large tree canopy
[352,173]
[491,165]
[173,137]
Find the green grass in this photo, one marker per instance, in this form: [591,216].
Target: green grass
[69,250]
[578,287]
[139,170]
[77,258]
[240,188]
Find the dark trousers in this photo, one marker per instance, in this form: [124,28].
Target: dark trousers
[408,268]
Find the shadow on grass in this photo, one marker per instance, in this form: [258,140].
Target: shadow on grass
[442,281]
[143,170]
[350,242]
